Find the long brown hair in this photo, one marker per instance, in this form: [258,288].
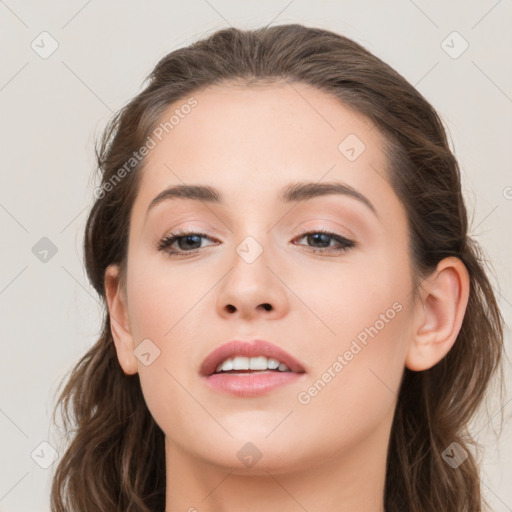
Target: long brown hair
[116,458]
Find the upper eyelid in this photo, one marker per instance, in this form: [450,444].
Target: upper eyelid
[319,227]
[184,232]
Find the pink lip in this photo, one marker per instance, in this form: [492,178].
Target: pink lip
[249,383]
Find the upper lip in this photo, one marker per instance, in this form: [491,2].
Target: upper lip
[252,348]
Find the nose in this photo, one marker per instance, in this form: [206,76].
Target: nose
[252,288]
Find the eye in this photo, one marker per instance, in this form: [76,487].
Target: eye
[187,242]
[324,239]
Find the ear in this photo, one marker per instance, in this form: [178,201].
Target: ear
[119,320]
[438,314]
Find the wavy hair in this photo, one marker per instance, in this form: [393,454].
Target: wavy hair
[115,458]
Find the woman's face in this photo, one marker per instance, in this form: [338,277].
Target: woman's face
[342,312]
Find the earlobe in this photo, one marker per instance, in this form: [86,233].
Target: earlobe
[439,314]
[119,320]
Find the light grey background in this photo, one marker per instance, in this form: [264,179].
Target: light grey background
[52,109]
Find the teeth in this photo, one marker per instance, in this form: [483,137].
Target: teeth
[226,366]
[273,364]
[258,363]
[241,363]
[251,363]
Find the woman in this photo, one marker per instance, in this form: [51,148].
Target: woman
[296,317]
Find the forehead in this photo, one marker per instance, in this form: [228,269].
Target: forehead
[265,136]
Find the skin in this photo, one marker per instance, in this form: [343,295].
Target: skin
[328,454]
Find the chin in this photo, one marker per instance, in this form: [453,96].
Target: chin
[250,456]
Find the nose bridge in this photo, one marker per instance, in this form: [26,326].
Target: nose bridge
[254,234]
[251,247]
[252,231]
[251,257]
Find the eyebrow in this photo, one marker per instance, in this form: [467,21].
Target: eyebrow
[291,193]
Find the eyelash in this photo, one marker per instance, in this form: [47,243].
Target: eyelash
[168,240]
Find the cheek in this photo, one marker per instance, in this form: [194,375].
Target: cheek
[353,389]
[161,295]
[165,307]
[353,299]
[358,367]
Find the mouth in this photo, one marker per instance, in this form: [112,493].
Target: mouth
[244,368]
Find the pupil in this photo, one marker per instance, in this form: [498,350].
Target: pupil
[319,236]
[188,240]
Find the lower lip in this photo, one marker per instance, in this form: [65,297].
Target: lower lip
[250,384]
